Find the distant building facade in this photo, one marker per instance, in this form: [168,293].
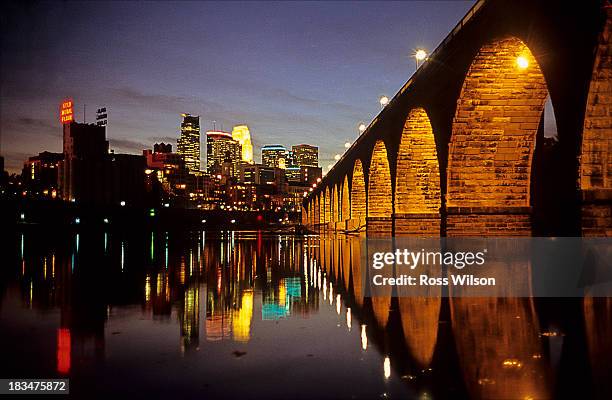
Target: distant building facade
[242,135]
[40,173]
[162,148]
[223,153]
[306,155]
[274,155]
[188,144]
[85,151]
[89,174]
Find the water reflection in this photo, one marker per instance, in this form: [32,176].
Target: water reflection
[216,298]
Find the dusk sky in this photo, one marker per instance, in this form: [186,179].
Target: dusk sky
[295,72]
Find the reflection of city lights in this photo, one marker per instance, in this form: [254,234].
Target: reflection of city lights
[147,289]
[324,288]
[512,363]
[349,318]
[338,304]
[364,338]
[387,368]
[241,321]
[63,350]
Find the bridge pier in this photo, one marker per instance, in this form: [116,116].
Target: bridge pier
[379,226]
[355,224]
[413,224]
[597,212]
[488,221]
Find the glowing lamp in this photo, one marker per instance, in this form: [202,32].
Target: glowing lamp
[420,55]
[522,62]
[384,100]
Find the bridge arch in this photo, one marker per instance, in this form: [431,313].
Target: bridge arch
[417,178]
[346,203]
[334,204]
[358,197]
[320,208]
[596,152]
[493,140]
[380,195]
[327,205]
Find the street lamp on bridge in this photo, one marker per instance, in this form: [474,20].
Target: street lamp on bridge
[419,55]
[384,100]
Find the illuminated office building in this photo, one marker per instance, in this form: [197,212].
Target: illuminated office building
[188,145]
[241,134]
[40,173]
[305,155]
[222,151]
[293,174]
[274,155]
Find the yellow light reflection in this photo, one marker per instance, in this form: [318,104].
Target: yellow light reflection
[147,288]
[364,338]
[387,367]
[349,318]
[241,321]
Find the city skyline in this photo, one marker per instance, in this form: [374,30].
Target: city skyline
[264,84]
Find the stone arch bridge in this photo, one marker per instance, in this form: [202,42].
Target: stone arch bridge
[460,150]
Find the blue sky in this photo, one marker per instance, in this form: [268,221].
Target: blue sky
[294,72]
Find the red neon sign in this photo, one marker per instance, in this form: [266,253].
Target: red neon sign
[66,112]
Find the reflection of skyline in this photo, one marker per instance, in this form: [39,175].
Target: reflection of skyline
[232,289]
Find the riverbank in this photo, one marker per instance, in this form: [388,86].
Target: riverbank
[52,213]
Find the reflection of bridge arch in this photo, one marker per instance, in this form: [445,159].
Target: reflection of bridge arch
[493,141]
[380,196]
[417,178]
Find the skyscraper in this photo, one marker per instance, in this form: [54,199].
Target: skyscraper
[274,155]
[188,144]
[220,149]
[242,135]
[306,155]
